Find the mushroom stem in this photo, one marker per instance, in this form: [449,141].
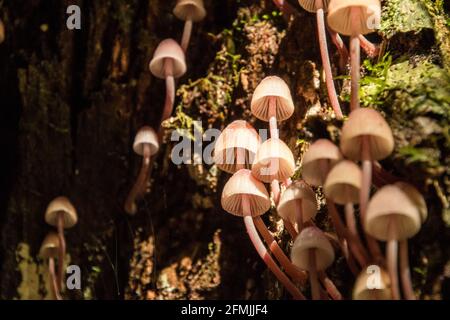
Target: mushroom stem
[290,229]
[313,277]
[355,56]
[329,285]
[62,250]
[170,89]
[341,48]
[351,223]
[369,48]
[275,187]
[326,60]
[262,251]
[299,214]
[392,255]
[284,261]
[273,118]
[186,34]
[405,274]
[53,279]
[139,187]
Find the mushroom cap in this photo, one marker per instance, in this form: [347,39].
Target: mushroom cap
[416,197]
[146,135]
[339,15]
[244,183]
[361,289]
[298,190]
[193,9]
[343,183]
[369,123]
[272,87]
[274,161]
[310,5]
[312,238]
[237,135]
[50,246]
[168,49]
[58,205]
[321,149]
[391,203]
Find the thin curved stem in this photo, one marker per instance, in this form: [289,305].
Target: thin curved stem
[369,48]
[290,229]
[284,261]
[351,223]
[170,90]
[140,185]
[274,134]
[392,256]
[186,38]
[329,286]
[62,250]
[262,251]
[355,57]
[275,187]
[313,276]
[331,89]
[53,279]
[341,48]
[405,274]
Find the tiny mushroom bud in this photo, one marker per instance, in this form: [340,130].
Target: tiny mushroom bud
[49,251]
[370,286]
[236,147]
[318,160]
[61,214]
[168,63]
[189,11]
[298,204]
[313,252]
[146,145]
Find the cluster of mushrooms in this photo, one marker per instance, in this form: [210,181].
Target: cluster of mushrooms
[393,214]
[60,214]
[168,63]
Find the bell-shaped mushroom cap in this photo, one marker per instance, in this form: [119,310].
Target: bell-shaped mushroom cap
[310,5]
[237,135]
[416,197]
[312,238]
[272,87]
[339,15]
[274,161]
[321,150]
[190,9]
[240,184]
[61,205]
[298,190]
[146,135]
[371,286]
[50,246]
[369,123]
[391,203]
[343,183]
[168,49]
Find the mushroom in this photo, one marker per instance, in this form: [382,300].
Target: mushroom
[146,145]
[313,252]
[394,215]
[61,214]
[49,251]
[342,186]
[298,204]
[245,196]
[168,63]
[367,137]
[351,18]
[319,7]
[321,156]
[189,11]
[236,147]
[376,291]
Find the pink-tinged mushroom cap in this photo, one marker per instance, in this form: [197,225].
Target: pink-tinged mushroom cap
[274,161]
[339,15]
[320,151]
[369,123]
[61,205]
[312,238]
[416,197]
[272,87]
[50,246]
[239,136]
[298,190]
[146,135]
[310,5]
[168,49]
[243,183]
[366,288]
[343,183]
[190,9]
